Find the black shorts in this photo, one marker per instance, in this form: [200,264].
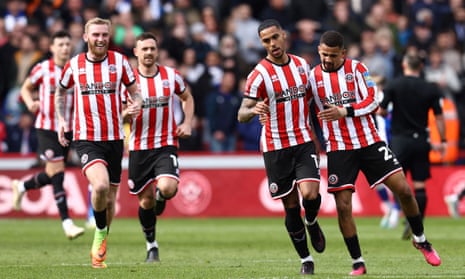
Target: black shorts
[286,166]
[110,153]
[413,153]
[377,162]
[50,149]
[146,166]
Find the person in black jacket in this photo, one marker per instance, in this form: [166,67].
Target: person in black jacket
[412,97]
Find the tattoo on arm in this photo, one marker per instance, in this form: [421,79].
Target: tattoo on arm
[60,102]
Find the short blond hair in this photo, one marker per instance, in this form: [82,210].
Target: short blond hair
[97,21]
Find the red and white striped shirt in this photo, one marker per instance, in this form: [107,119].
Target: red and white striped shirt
[155,126]
[46,76]
[349,86]
[97,95]
[286,89]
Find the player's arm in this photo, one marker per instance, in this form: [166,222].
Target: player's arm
[187,101]
[60,95]
[135,106]
[251,107]
[27,91]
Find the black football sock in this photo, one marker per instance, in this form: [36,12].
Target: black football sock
[37,181]
[148,220]
[416,224]
[353,246]
[60,194]
[296,229]
[420,196]
[100,219]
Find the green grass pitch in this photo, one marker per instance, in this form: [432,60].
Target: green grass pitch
[223,248]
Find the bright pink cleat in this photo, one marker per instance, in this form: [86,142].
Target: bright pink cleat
[431,256]
[358,269]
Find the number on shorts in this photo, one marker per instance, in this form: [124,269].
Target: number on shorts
[387,153]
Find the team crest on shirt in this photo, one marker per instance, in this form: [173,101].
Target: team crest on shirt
[333,179]
[84,159]
[166,84]
[301,70]
[350,77]
[112,68]
[273,188]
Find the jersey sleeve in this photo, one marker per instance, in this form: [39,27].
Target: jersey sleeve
[366,90]
[66,80]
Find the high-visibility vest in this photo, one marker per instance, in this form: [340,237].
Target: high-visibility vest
[452,133]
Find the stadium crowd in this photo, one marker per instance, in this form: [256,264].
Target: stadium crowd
[214,43]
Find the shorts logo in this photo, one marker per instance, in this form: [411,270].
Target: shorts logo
[273,188]
[333,179]
[49,154]
[84,159]
[131,184]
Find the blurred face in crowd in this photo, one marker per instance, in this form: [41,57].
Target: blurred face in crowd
[97,36]
[331,57]
[273,40]
[146,52]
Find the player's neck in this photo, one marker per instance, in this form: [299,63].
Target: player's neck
[148,71]
[59,62]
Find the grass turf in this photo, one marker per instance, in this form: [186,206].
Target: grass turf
[223,248]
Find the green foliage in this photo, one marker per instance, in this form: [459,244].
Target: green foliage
[223,248]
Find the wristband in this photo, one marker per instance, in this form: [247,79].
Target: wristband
[350,111]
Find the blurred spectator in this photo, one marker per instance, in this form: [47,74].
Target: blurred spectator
[15,14]
[372,58]
[422,37]
[177,39]
[231,58]
[385,44]
[442,74]
[315,10]
[279,10]
[249,132]
[459,26]
[26,56]
[343,21]
[72,11]
[22,137]
[404,32]
[7,74]
[125,33]
[221,106]
[199,42]
[76,30]
[245,30]
[184,7]
[307,38]
[446,41]
[212,28]
[3,137]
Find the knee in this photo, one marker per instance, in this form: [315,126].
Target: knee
[310,190]
[146,202]
[168,190]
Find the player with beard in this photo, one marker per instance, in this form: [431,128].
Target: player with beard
[153,141]
[97,77]
[278,88]
[44,77]
[344,94]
